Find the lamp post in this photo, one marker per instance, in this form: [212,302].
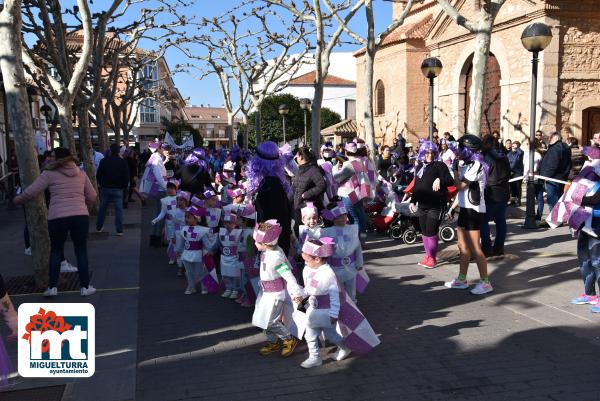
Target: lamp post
[305,105]
[284,110]
[535,38]
[431,68]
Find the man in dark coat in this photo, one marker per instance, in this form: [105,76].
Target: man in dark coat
[113,178]
[555,164]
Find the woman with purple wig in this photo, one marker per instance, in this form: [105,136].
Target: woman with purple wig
[270,190]
[10,318]
[194,174]
[430,195]
[470,179]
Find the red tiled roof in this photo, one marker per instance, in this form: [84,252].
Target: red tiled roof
[330,80]
[206,114]
[416,30]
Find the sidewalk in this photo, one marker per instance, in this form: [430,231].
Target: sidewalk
[114,262]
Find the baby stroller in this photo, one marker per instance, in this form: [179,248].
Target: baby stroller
[405,225]
[382,211]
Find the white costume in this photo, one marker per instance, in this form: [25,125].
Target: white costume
[230,269]
[348,255]
[189,244]
[305,232]
[154,179]
[276,280]
[321,286]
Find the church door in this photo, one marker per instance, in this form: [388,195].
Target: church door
[591,124]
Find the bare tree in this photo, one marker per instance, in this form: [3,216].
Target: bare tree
[19,119]
[247,50]
[328,28]
[482,29]
[44,20]
[372,44]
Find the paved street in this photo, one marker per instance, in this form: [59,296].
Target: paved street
[524,341]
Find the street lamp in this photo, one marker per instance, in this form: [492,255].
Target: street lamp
[284,110]
[305,105]
[431,68]
[535,38]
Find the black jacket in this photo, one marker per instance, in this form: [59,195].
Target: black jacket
[423,192]
[557,161]
[309,181]
[113,172]
[272,202]
[193,179]
[497,188]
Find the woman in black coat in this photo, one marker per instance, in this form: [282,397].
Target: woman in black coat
[308,184]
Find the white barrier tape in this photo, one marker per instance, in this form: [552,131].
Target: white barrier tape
[551,179]
[516,178]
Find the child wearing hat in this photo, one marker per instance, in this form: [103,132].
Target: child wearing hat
[230,240]
[323,299]
[173,210]
[276,281]
[348,257]
[189,248]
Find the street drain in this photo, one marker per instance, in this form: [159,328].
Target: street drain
[26,284]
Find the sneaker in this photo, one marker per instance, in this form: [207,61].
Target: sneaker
[204,291]
[28,251]
[180,272]
[190,291]
[120,233]
[595,309]
[66,267]
[312,362]
[585,300]
[99,229]
[270,347]
[342,353]
[233,295]
[240,299]
[423,261]
[288,347]
[429,263]
[226,294]
[87,291]
[457,284]
[171,262]
[51,292]
[482,288]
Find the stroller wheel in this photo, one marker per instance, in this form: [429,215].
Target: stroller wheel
[447,234]
[409,237]
[396,232]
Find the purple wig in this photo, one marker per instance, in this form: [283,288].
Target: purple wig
[468,155]
[428,146]
[266,163]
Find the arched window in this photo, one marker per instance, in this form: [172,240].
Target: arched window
[379,98]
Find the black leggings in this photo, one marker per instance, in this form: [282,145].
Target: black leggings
[429,220]
[58,229]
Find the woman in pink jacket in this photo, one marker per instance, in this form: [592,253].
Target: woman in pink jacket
[70,194]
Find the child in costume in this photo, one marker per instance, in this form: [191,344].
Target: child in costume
[237,195]
[210,245]
[348,257]
[189,249]
[229,238]
[227,182]
[275,276]
[321,288]
[168,203]
[309,229]
[174,212]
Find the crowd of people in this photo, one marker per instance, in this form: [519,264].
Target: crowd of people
[281,230]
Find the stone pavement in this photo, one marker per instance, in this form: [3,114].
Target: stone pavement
[522,342]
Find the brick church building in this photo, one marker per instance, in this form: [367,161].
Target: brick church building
[568,77]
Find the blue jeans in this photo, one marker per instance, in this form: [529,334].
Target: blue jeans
[553,193]
[496,212]
[589,263]
[539,196]
[58,229]
[114,195]
[356,214]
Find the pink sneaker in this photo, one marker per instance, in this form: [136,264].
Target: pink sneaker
[424,261]
[240,299]
[585,300]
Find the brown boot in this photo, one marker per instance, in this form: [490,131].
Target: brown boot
[270,347]
[289,346]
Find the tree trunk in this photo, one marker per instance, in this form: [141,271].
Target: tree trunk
[315,117]
[257,128]
[67,140]
[229,129]
[478,84]
[19,118]
[87,152]
[369,61]
[101,126]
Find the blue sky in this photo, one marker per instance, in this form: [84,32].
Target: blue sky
[207,91]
